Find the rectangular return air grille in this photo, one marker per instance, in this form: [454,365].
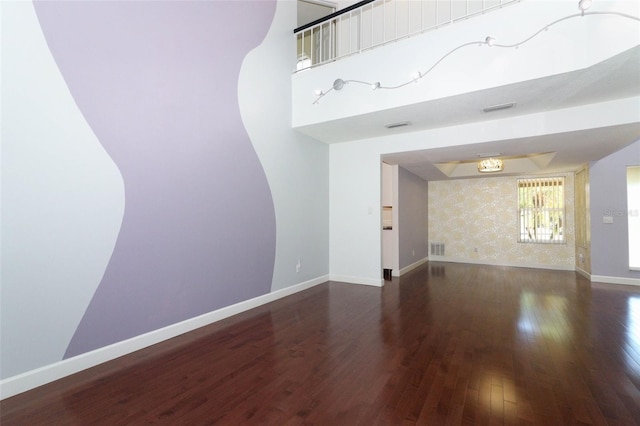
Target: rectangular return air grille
[437,249]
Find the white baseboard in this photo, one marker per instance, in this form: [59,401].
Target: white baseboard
[358,280]
[31,379]
[615,280]
[584,273]
[500,263]
[592,278]
[413,266]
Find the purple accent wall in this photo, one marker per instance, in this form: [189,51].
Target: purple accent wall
[157,82]
[608,197]
[413,232]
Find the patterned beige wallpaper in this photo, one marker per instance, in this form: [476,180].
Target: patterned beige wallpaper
[477,220]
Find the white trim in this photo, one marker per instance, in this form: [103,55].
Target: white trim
[499,263]
[411,267]
[43,375]
[584,273]
[322,3]
[358,280]
[615,280]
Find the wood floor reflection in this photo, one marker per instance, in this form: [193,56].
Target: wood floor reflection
[445,344]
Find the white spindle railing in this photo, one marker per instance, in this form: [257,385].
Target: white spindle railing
[376,23]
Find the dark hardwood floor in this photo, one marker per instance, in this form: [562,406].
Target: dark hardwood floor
[446,344]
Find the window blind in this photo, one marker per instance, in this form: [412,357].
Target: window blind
[541,210]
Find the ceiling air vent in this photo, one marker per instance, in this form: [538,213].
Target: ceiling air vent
[399,124]
[499,107]
[489,154]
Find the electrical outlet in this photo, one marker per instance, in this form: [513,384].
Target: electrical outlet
[413,253]
[298,266]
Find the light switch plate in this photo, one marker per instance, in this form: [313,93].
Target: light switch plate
[607,219]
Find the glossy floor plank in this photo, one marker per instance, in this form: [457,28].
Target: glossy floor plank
[447,344]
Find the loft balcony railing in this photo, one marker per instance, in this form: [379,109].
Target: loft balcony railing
[372,23]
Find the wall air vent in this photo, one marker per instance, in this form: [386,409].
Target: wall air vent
[437,249]
[399,124]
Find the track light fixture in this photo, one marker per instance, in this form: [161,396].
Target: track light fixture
[489,41]
[583,5]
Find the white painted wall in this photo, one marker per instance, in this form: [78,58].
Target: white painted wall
[295,164]
[54,168]
[354,215]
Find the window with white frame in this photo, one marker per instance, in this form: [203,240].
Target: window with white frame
[541,210]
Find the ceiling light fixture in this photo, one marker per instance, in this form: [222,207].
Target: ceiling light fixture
[490,165]
[489,41]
